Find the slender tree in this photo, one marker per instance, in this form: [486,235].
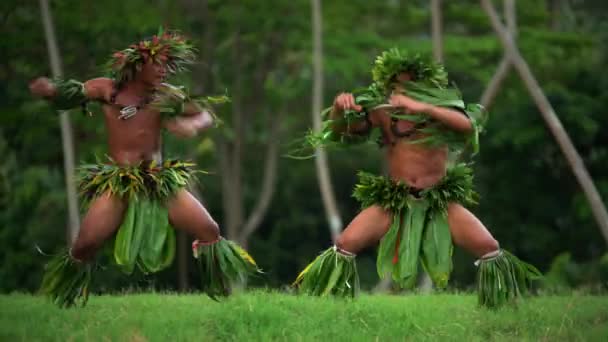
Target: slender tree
[241,223]
[322,166]
[66,126]
[551,119]
[489,94]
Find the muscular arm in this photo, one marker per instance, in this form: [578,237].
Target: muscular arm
[454,119]
[70,93]
[98,89]
[451,118]
[193,120]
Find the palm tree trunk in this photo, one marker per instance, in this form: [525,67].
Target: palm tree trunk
[436,30]
[321,163]
[66,127]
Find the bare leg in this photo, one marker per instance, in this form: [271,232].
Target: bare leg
[365,229]
[100,222]
[468,232]
[188,214]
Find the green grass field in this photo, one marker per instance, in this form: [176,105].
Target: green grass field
[262,316]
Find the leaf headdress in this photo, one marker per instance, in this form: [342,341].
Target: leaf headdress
[422,69]
[168,47]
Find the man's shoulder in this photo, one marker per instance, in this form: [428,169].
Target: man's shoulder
[170,91]
[99,88]
[101,82]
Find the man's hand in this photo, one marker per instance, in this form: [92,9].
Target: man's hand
[450,117]
[346,101]
[410,105]
[189,126]
[42,87]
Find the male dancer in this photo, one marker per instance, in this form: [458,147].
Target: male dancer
[135,196]
[418,210]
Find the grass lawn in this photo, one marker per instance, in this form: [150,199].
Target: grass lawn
[263,316]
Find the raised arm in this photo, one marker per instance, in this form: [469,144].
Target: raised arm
[454,119]
[67,94]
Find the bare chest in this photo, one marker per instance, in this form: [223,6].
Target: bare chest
[144,122]
[393,129]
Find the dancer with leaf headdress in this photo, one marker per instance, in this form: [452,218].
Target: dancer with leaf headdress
[416,213]
[136,197]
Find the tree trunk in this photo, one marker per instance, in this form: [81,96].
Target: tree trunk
[240,226]
[574,159]
[268,183]
[503,68]
[209,47]
[321,163]
[436,30]
[66,127]
[234,214]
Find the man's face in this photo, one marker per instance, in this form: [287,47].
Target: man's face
[403,77]
[400,79]
[153,73]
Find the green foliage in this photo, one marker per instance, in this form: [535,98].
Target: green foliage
[503,279]
[166,47]
[566,274]
[422,69]
[408,239]
[145,237]
[456,186]
[70,94]
[146,180]
[223,264]
[603,270]
[331,273]
[171,100]
[437,248]
[435,133]
[66,281]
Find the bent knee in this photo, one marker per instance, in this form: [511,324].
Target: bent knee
[346,244]
[208,232]
[488,245]
[84,250]
[213,230]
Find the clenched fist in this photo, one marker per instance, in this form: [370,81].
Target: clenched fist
[42,87]
[346,101]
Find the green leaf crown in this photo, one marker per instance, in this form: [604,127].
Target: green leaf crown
[421,68]
[167,47]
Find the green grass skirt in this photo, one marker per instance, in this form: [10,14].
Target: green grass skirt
[145,238]
[419,230]
[419,233]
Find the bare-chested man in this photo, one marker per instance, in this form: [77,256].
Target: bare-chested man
[136,196]
[417,211]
